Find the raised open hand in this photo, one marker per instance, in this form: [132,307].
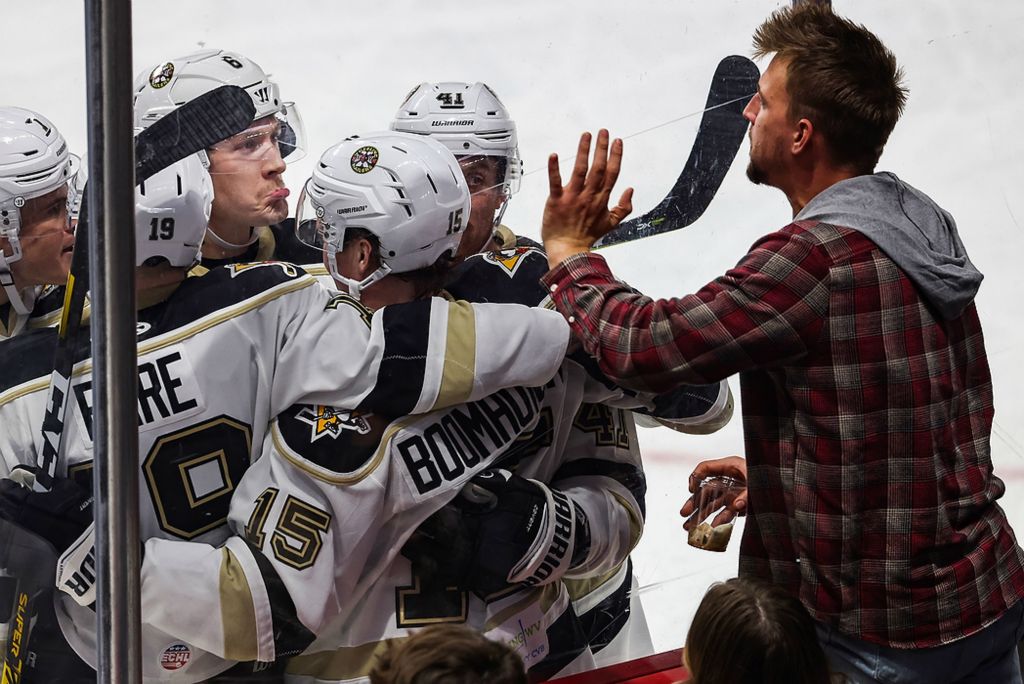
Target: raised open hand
[577,214]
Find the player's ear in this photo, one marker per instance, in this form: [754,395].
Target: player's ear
[357,260]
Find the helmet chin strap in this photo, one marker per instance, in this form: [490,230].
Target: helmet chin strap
[224,244]
[7,277]
[354,287]
[501,211]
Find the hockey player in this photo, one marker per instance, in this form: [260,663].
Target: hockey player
[250,207]
[474,124]
[320,518]
[35,237]
[275,338]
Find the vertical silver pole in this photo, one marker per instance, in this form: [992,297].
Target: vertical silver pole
[108,30]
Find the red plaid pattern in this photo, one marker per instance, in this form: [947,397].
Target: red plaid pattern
[866,420]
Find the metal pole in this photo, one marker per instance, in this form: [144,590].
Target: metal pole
[111,202]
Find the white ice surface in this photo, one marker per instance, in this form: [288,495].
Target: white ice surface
[563,67]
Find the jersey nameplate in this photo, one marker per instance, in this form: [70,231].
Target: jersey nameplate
[462,440]
[168,391]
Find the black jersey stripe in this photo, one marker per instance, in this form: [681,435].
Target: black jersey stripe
[403,364]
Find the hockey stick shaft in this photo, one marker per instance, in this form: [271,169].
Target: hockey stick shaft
[192,127]
[719,138]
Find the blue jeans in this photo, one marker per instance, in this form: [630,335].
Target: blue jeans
[987,657]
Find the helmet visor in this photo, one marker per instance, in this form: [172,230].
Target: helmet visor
[278,136]
[311,228]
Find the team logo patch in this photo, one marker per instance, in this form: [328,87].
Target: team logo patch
[329,421]
[509,260]
[175,657]
[162,75]
[364,159]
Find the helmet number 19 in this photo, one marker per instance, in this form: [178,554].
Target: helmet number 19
[161,229]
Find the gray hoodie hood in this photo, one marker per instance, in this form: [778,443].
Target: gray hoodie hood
[912,230]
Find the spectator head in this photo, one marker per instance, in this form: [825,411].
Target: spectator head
[839,77]
[448,654]
[747,631]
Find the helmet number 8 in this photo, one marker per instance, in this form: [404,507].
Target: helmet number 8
[454,221]
[161,229]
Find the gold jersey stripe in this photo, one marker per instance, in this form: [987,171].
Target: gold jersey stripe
[459,356]
[578,588]
[636,523]
[347,662]
[236,611]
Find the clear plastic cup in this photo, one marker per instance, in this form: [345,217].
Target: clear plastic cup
[712,495]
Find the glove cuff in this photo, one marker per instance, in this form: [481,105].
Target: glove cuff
[76,569]
[552,553]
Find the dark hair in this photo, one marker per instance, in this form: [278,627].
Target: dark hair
[747,632]
[428,280]
[840,76]
[448,654]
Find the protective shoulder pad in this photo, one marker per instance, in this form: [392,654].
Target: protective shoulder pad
[202,294]
[507,276]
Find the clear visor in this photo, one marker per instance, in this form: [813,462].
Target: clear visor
[483,173]
[279,136]
[310,227]
[79,174]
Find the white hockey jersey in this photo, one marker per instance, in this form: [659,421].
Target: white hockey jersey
[321,518]
[225,352]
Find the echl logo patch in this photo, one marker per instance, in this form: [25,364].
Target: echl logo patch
[175,657]
[327,420]
[364,159]
[509,259]
[162,75]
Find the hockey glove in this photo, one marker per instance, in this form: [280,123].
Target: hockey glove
[61,516]
[502,530]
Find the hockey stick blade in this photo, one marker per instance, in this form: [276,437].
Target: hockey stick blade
[194,126]
[719,137]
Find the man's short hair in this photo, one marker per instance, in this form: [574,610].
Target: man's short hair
[448,654]
[840,76]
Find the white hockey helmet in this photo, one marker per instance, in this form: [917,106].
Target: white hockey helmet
[172,209]
[406,190]
[469,119]
[34,161]
[168,85]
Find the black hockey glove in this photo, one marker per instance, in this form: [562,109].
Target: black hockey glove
[63,517]
[502,530]
[59,516]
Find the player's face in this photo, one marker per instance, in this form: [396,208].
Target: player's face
[768,114]
[484,182]
[247,182]
[46,241]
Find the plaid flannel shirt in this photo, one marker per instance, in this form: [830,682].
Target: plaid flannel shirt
[866,420]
